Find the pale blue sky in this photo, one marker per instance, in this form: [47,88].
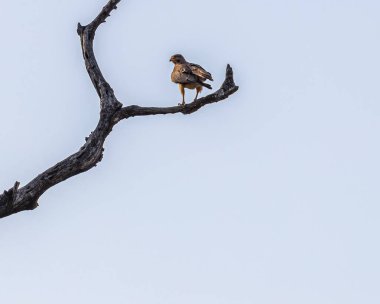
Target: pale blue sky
[269,197]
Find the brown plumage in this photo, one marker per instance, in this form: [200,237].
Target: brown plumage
[189,75]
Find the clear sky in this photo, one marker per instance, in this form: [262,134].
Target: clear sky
[270,197]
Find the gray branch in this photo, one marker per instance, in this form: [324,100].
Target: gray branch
[111,112]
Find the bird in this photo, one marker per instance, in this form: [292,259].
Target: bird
[189,75]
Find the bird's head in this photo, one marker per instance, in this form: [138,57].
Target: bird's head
[177,58]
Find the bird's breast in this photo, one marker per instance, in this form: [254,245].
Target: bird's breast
[174,76]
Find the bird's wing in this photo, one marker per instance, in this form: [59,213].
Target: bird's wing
[183,74]
[200,72]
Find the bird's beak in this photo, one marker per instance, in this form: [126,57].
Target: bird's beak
[171,59]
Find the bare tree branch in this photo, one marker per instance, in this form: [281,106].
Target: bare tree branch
[227,88]
[87,35]
[111,112]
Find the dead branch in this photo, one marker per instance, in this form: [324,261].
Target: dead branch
[111,112]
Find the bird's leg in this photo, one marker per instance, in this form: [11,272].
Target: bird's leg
[196,96]
[199,89]
[182,89]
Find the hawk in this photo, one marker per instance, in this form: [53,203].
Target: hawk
[189,75]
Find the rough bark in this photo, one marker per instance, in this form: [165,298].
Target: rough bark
[111,112]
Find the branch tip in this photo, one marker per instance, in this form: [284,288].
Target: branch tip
[80,29]
[229,71]
[16,185]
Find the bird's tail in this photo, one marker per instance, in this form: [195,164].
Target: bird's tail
[206,85]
